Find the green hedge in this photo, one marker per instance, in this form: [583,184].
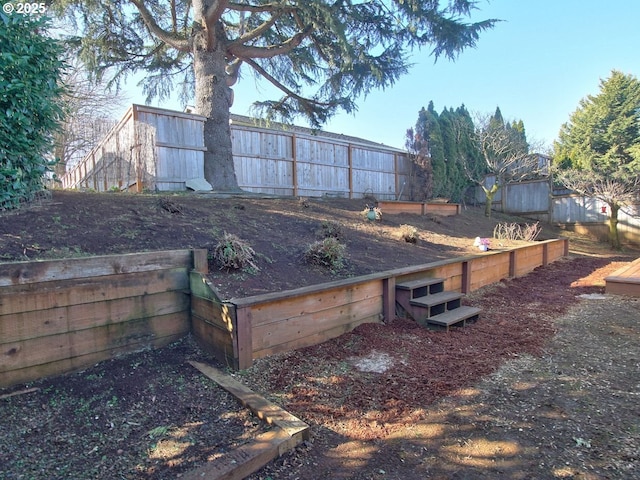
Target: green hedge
[30,105]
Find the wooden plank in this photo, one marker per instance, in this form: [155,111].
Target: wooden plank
[241,462]
[42,271]
[628,286]
[389,299]
[214,340]
[62,293]
[201,260]
[290,329]
[214,313]
[630,270]
[396,207]
[54,321]
[290,307]
[316,338]
[65,365]
[201,286]
[244,337]
[264,409]
[112,337]
[446,209]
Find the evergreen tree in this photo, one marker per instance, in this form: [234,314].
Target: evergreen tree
[321,55]
[428,127]
[598,150]
[31,106]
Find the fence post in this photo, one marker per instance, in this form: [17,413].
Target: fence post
[294,166]
[350,162]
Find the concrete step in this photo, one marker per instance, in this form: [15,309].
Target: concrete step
[459,316]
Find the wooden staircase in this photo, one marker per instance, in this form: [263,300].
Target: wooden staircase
[427,302]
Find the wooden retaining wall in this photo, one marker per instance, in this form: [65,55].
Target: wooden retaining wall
[419,208]
[61,315]
[249,328]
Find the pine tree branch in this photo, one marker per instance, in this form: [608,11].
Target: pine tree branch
[215,11]
[256,32]
[174,40]
[246,51]
[280,86]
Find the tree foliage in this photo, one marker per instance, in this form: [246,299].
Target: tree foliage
[320,55]
[597,153]
[448,138]
[30,92]
[421,176]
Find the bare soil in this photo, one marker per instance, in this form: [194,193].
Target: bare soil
[544,385]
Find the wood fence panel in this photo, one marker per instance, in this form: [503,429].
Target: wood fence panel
[321,152]
[380,184]
[259,174]
[177,165]
[315,180]
[156,148]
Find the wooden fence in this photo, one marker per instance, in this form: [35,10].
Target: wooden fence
[240,331]
[538,199]
[61,315]
[157,149]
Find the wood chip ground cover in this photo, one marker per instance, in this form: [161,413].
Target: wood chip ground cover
[545,385]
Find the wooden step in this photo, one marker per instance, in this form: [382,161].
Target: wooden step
[453,317]
[436,299]
[419,288]
[421,282]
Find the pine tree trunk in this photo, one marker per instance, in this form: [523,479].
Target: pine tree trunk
[213,101]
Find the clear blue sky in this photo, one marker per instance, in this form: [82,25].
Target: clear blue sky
[535,65]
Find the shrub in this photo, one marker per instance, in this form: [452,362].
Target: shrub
[30,103]
[409,233]
[231,252]
[514,231]
[328,253]
[329,229]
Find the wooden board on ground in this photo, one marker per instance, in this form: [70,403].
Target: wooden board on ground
[288,432]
